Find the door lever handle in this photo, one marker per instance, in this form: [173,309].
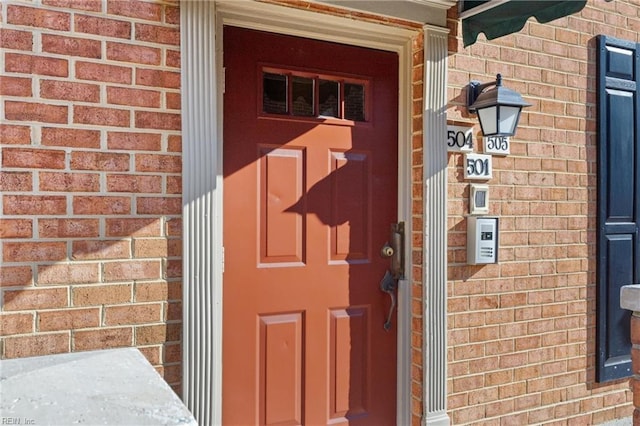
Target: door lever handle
[388,285]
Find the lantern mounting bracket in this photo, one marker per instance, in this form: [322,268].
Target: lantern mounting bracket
[475,89]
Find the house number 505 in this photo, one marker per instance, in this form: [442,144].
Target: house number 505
[477,167]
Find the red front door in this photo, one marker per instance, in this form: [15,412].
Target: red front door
[310,191]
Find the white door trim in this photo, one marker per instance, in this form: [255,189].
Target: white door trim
[203,257]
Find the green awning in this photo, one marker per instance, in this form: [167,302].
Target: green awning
[498,18]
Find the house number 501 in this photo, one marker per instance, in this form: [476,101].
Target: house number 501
[478,167]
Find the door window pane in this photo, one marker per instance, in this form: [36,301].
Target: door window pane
[329,96]
[302,96]
[354,102]
[274,93]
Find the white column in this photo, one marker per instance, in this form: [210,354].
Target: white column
[435,223]
[202,229]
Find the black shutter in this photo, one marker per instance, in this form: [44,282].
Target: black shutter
[618,200]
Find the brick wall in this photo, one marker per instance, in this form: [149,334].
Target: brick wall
[90,212]
[522,333]
[90,178]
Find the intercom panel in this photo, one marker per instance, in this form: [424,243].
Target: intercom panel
[482,240]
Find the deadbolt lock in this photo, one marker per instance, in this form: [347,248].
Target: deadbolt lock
[387,251]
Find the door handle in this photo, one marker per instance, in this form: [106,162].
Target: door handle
[394,250]
[388,285]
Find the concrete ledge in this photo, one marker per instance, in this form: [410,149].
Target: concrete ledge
[110,387]
[630,297]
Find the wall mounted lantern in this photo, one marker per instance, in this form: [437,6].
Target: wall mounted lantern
[498,109]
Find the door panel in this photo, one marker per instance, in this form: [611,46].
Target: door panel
[310,191]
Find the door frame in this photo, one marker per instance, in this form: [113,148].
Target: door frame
[203,257]
[295,22]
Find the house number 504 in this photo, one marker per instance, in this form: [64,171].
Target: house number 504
[478,167]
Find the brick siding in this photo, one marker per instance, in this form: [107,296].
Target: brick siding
[90,213]
[522,333]
[90,179]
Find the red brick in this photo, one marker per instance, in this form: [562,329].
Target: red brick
[135,9]
[33,158]
[133,97]
[95,205]
[159,205]
[134,141]
[26,111]
[68,319]
[172,15]
[174,143]
[72,46]
[15,135]
[150,247]
[172,353]
[34,251]
[42,18]
[132,270]
[174,268]
[42,344]
[172,373]
[133,227]
[154,334]
[75,138]
[152,354]
[42,298]
[106,338]
[16,324]
[158,34]
[15,39]
[101,116]
[100,249]
[68,273]
[88,5]
[101,295]
[68,228]
[173,58]
[69,91]
[15,86]
[133,53]
[133,314]
[69,182]
[174,311]
[157,120]
[158,163]
[32,64]
[16,181]
[134,183]
[15,276]
[174,185]
[172,100]
[152,291]
[157,78]
[103,73]
[174,247]
[103,161]
[27,204]
[174,227]
[102,26]
[635,330]
[16,228]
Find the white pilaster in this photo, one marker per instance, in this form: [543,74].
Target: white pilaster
[435,223]
[202,207]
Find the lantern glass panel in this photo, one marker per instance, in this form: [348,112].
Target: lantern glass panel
[508,119]
[488,120]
